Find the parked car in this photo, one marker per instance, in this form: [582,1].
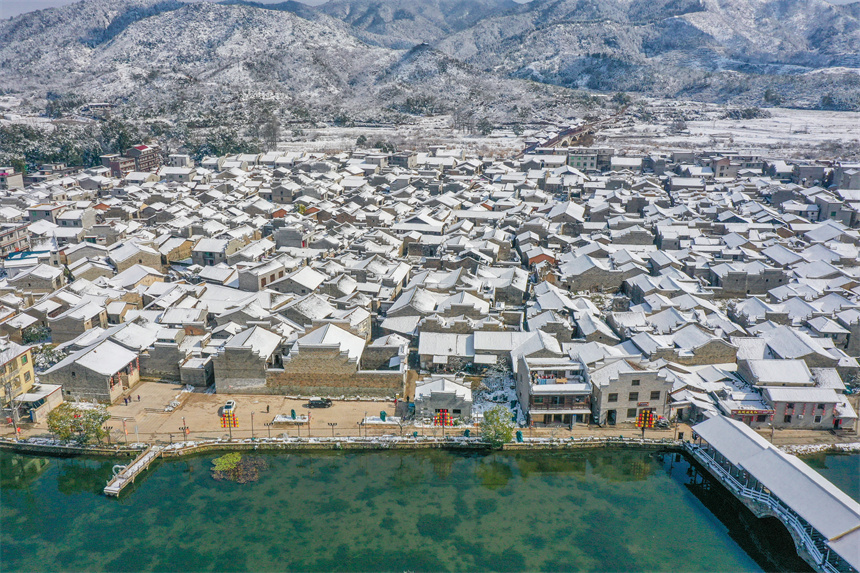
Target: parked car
[230,407]
[319,403]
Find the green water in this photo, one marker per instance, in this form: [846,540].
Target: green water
[388,511]
[841,469]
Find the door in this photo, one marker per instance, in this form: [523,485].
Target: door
[610,417]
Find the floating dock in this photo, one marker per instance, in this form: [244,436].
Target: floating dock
[126,476]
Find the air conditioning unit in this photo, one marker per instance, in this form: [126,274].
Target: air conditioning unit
[800,416]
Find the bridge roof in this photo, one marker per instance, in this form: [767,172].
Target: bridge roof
[823,505]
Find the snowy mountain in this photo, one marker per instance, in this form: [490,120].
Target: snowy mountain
[662,45]
[371,57]
[403,23]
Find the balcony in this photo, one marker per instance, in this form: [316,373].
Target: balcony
[567,406]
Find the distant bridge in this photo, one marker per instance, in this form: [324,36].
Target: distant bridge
[823,521]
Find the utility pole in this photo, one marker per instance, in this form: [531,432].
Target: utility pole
[332,425]
[252,426]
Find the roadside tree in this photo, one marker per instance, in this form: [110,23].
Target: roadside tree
[496,427]
[82,424]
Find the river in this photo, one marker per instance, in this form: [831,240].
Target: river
[595,510]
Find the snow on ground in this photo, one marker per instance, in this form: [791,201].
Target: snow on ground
[788,131]
[425,131]
[497,389]
[285,419]
[390,420]
[800,450]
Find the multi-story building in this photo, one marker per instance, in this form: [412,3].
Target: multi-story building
[13,237]
[146,157]
[553,391]
[119,165]
[10,180]
[16,371]
[621,391]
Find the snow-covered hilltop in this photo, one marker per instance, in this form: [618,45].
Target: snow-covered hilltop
[353,55]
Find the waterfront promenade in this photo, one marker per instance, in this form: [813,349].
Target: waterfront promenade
[148,421]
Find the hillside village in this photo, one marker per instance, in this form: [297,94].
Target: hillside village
[575,285]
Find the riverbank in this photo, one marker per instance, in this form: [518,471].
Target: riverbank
[46,447]
[51,447]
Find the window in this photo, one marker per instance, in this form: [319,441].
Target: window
[789,406]
[634,397]
[556,400]
[24,361]
[787,418]
[655,395]
[634,382]
[456,412]
[73,374]
[761,418]
[27,379]
[817,419]
[538,399]
[613,397]
[821,406]
[631,412]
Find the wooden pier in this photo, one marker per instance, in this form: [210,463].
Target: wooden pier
[127,475]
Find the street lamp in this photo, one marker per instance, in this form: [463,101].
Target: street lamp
[12,409]
[269,427]
[332,425]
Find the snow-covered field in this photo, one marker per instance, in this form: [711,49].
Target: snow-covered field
[790,132]
[424,132]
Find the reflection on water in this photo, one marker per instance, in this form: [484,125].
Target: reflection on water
[391,511]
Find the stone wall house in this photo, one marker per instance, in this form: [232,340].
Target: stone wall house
[621,391]
[301,282]
[445,352]
[77,320]
[589,274]
[243,363]
[738,280]
[101,372]
[38,279]
[810,409]
[126,255]
[443,395]
[689,346]
[328,361]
